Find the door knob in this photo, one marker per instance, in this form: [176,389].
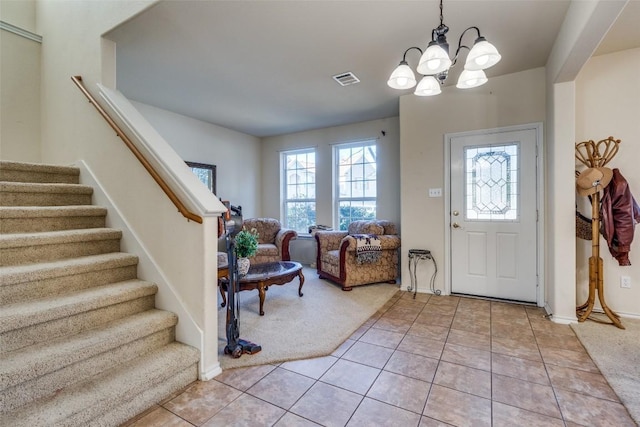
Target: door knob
[455,225]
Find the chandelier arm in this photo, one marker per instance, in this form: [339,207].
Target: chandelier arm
[404,57]
[460,45]
[464,32]
[455,57]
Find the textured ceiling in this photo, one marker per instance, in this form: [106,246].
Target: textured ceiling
[264,67]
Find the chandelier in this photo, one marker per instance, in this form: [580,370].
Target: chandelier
[435,63]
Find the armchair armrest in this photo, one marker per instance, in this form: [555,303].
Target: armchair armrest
[283,237]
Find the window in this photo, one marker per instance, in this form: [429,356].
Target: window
[205,173]
[299,176]
[491,191]
[355,182]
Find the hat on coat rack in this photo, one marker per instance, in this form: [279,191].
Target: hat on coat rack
[592,180]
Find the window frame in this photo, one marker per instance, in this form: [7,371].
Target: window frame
[284,179]
[209,169]
[337,199]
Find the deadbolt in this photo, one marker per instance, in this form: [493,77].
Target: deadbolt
[456,213]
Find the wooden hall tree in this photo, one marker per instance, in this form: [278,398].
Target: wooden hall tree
[596,155]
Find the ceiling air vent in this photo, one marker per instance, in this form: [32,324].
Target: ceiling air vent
[346,79]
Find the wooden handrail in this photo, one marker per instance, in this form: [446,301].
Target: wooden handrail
[157,178]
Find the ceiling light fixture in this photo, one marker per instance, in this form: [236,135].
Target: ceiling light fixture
[435,63]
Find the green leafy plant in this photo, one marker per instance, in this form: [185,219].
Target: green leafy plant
[246,243]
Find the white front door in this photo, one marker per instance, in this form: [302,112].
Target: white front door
[493,214]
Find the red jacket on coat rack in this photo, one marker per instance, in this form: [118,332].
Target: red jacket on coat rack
[620,213]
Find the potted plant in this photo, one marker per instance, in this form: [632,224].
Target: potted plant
[246,245]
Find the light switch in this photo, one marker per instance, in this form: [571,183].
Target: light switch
[435,192]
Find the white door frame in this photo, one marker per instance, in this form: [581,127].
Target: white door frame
[539,202]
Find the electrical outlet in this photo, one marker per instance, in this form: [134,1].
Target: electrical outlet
[625,282]
[435,192]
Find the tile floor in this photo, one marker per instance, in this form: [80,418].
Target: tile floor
[432,361]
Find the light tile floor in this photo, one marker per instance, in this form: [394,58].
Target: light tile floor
[430,361]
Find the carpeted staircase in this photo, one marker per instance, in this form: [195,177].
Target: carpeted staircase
[81,342]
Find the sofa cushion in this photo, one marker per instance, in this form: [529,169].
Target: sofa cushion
[267,249]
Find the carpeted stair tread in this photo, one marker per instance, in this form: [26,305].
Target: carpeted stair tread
[26,282]
[14,274]
[50,211]
[24,314]
[28,219]
[48,187]
[147,399]
[44,194]
[80,404]
[57,237]
[35,172]
[28,248]
[40,359]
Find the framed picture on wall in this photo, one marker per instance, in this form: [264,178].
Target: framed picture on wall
[205,173]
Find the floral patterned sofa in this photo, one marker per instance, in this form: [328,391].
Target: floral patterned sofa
[337,261]
[273,240]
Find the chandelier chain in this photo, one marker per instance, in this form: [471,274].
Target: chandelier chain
[441,16]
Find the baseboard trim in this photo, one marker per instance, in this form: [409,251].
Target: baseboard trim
[210,374]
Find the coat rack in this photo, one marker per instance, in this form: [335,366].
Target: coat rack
[596,155]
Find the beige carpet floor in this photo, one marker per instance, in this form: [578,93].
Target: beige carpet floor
[616,352]
[296,327]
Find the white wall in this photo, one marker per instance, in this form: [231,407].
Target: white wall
[236,155]
[503,101]
[584,25]
[608,104]
[20,13]
[20,83]
[388,150]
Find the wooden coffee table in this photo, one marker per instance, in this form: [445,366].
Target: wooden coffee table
[261,276]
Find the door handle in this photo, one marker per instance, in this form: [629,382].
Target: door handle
[455,225]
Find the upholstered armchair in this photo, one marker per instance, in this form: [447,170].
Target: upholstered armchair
[338,261]
[273,240]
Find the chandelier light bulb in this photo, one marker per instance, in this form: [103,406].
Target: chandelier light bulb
[471,78]
[434,60]
[482,60]
[428,86]
[482,56]
[402,77]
